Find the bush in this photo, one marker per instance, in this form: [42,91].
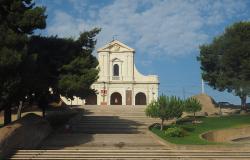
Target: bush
[192,105]
[188,128]
[165,108]
[175,132]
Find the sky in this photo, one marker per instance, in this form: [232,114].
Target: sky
[166,34]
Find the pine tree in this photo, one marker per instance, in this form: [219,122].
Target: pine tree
[225,63]
[18,19]
[66,66]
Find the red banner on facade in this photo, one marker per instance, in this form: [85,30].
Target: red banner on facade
[103,92]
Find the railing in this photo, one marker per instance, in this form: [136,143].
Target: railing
[115,78]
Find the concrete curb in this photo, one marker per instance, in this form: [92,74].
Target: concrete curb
[243,147]
[160,140]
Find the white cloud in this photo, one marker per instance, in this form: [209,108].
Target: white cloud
[79,5]
[64,25]
[172,27]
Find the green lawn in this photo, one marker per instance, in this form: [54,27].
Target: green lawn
[209,123]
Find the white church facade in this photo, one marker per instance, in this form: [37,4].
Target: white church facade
[119,81]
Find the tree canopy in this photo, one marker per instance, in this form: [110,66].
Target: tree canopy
[67,66]
[225,62]
[192,105]
[165,108]
[18,19]
[32,67]
[81,72]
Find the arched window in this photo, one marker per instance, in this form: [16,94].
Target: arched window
[116,70]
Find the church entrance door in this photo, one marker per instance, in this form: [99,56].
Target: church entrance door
[140,99]
[116,99]
[91,99]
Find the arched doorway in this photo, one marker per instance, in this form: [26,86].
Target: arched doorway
[91,99]
[116,99]
[140,99]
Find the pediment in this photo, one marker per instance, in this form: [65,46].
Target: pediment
[116,60]
[116,46]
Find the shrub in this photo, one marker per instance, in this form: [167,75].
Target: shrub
[188,128]
[165,108]
[175,132]
[192,105]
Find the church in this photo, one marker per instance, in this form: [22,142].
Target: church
[119,81]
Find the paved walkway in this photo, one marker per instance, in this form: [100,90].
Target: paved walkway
[111,127]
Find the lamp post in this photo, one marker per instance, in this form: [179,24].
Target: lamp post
[103,93]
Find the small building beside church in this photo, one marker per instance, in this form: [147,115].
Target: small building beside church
[119,81]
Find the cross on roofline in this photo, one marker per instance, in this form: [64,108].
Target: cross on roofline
[115,37]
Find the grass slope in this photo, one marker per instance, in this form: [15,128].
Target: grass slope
[194,131]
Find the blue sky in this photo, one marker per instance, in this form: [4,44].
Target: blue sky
[166,34]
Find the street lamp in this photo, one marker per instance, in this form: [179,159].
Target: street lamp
[103,92]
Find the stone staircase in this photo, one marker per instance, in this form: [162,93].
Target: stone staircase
[110,127]
[116,132]
[113,120]
[129,154]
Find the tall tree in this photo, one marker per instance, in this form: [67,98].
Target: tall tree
[67,66]
[81,72]
[50,53]
[225,63]
[18,19]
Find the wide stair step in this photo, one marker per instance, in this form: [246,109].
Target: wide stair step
[114,119]
[128,154]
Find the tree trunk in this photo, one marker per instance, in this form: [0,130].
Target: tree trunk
[162,122]
[243,102]
[19,111]
[43,108]
[7,115]
[194,118]
[220,110]
[43,103]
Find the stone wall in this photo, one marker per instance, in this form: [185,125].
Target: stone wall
[227,135]
[25,133]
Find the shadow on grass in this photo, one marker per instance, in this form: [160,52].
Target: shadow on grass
[186,128]
[188,120]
